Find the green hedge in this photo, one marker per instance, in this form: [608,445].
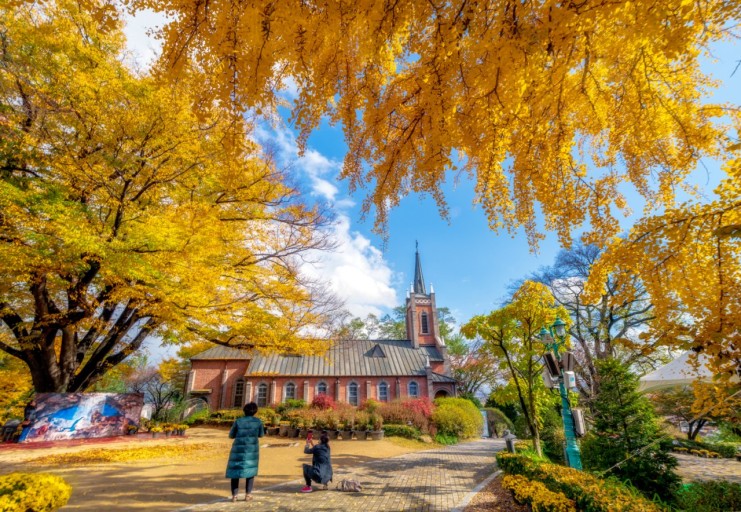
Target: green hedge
[710,496]
[591,494]
[726,450]
[401,431]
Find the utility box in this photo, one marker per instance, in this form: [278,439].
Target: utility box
[569,380]
[580,427]
[509,441]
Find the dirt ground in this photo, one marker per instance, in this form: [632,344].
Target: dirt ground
[167,484]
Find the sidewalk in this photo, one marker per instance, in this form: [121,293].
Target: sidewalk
[433,480]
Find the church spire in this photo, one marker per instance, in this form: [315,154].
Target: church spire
[419,280]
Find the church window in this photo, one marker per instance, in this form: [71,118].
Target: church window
[262,395]
[413,389]
[352,393]
[321,388]
[425,323]
[238,393]
[383,392]
[290,391]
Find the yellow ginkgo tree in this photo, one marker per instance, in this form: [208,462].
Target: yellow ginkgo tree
[125,215]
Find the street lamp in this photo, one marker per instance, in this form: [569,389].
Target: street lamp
[573,457]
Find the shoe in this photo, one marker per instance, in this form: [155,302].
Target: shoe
[325,487]
[234,499]
[247,497]
[307,489]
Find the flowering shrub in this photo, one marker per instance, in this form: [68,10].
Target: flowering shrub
[102,455]
[39,492]
[323,402]
[537,495]
[588,491]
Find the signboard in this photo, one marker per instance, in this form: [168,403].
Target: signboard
[60,416]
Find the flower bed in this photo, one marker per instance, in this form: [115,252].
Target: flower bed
[588,491]
[39,492]
[537,495]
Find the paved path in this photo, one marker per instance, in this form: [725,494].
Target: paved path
[693,468]
[431,480]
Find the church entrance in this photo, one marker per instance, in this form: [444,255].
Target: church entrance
[441,394]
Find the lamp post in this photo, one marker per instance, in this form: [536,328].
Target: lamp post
[558,330]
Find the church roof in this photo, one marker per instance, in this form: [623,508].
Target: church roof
[439,377]
[419,280]
[351,358]
[219,352]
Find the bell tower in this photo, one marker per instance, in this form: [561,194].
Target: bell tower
[421,317]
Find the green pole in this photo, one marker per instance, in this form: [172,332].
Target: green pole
[573,456]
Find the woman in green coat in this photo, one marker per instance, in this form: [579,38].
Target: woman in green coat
[245,454]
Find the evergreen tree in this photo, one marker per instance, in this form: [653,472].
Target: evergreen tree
[626,429]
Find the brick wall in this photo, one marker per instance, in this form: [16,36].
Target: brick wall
[212,374]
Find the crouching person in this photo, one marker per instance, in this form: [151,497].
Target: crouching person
[320,470]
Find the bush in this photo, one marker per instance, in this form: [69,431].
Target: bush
[268,416]
[228,414]
[401,431]
[717,495]
[370,406]
[36,492]
[457,417]
[537,495]
[416,412]
[290,405]
[323,402]
[196,418]
[726,450]
[446,439]
[590,493]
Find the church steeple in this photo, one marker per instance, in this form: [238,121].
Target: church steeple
[419,280]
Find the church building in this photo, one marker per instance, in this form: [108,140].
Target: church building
[352,371]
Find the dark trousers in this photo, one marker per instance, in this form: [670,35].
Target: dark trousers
[307,474]
[249,483]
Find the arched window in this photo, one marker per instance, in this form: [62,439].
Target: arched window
[238,393]
[290,391]
[262,395]
[425,323]
[383,392]
[413,389]
[352,393]
[321,388]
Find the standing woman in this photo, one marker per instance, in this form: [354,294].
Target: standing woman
[245,454]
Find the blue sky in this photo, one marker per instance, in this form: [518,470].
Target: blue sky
[469,266]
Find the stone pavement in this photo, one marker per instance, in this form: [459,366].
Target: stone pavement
[426,481]
[693,468]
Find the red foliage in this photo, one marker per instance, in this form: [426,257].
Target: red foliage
[421,406]
[323,402]
[414,411]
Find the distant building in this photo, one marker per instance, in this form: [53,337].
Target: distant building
[351,371]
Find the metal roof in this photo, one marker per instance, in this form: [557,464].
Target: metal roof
[221,352]
[439,377]
[350,358]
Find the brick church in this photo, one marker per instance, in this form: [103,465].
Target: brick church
[351,371]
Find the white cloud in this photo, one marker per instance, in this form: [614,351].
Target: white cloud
[356,270]
[144,48]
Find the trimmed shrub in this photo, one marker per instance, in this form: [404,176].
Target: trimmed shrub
[457,417]
[710,496]
[290,405]
[445,439]
[726,450]
[537,495]
[401,431]
[590,493]
[39,492]
[323,402]
[416,412]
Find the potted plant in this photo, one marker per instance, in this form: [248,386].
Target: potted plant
[376,423]
[131,430]
[332,423]
[182,428]
[361,424]
[155,430]
[168,428]
[295,422]
[283,428]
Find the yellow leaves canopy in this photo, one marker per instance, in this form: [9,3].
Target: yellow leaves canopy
[528,95]
[125,214]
